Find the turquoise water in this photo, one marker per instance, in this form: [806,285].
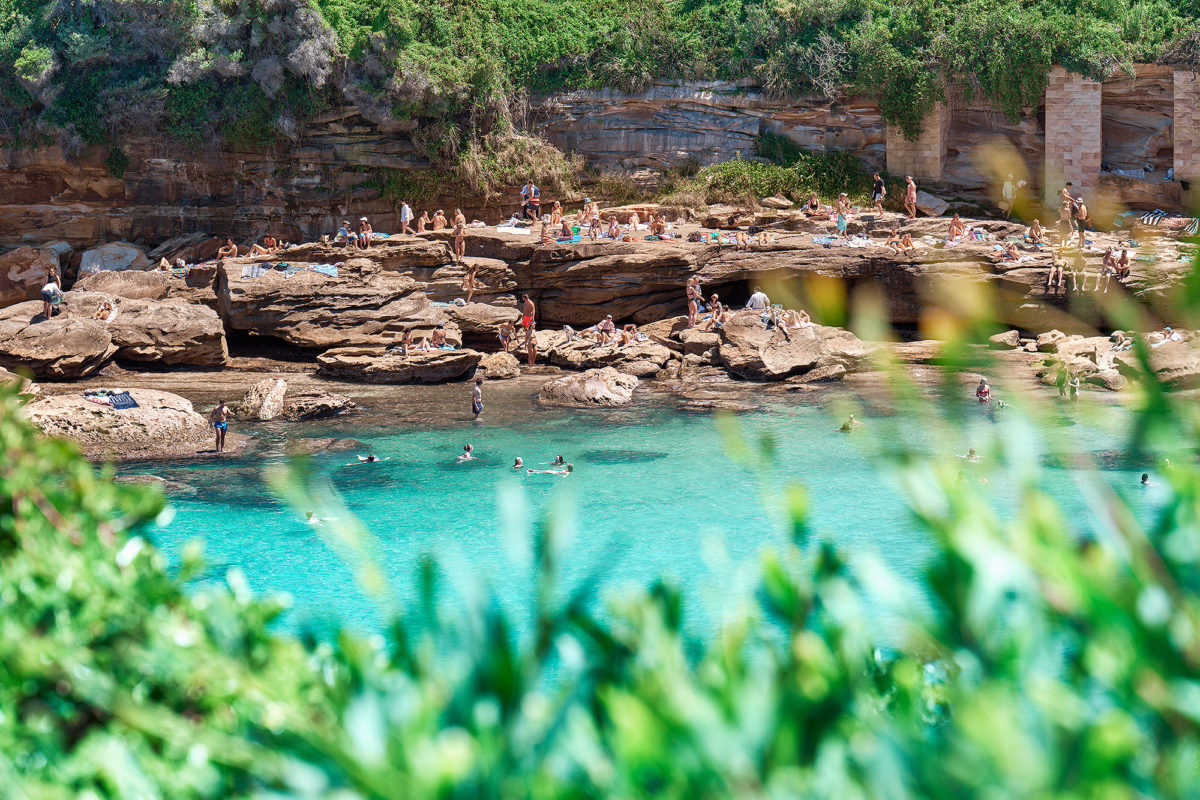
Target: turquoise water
[655,492]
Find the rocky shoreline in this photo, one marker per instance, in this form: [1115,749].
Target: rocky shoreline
[335,311]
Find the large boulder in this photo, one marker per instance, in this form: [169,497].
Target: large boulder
[315,405]
[161,331]
[481,318]
[62,347]
[596,387]
[640,359]
[364,306]
[134,285]
[377,365]
[23,273]
[1048,342]
[1009,340]
[1176,364]
[931,206]
[263,400]
[113,257]
[749,350]
[500,366]
[191,247]
[22,384]
[164,425]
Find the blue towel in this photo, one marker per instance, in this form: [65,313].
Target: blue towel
[122,401]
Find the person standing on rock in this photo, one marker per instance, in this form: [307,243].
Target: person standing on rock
[460,239]
[51,295]
[406,216]
[910,197]
[477,399]
[531,201]
[220,422]
[528,314]
[878,193]
[694,299]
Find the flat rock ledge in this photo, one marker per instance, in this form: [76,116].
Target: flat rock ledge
[604,387]
[377,365]
[164,425]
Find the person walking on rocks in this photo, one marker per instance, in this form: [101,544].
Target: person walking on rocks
[878,193]
[477,399]
[51,295]
[220,422]
[528,314]
[406,217]
[910,197]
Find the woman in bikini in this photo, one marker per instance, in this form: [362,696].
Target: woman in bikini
[506,334]
[634,221]
[614,229]
[694,299]
[468,284]
[460,239]
[422,222]
[957,229]
[439,220]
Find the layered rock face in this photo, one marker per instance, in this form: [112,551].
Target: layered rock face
[163,425]
[376,365]
[23,273]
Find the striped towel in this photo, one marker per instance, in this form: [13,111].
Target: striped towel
[1192,228]
[325,269]
[1154,217]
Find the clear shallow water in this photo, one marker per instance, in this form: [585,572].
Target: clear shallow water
[655,492]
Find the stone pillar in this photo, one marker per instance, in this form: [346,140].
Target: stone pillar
[925,158]
[1073,138]
[1186,125]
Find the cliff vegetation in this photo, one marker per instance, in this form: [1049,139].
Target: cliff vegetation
[453,73]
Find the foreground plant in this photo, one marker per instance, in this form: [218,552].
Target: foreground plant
[1039,656]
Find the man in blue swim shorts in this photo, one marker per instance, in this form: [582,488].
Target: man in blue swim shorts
[477,399]
[220,422]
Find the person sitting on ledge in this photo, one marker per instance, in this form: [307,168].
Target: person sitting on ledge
[547,235]
[1009,253]
[957,229]
[657,226]
[1056,280]
[1034,233]
[365,231]
[1123,266]
[813,207]
[439,220]
[629,334]
[719,315]
[346,234]
[229,250]
[897,242]
[438,339]
[614,229]
[565,231]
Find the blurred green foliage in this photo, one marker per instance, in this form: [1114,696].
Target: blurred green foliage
[1031,661]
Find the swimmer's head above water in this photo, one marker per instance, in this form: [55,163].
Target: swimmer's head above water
[518,463]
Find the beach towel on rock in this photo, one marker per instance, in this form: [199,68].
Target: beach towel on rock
[122,401]
[1192,228]
[254,270]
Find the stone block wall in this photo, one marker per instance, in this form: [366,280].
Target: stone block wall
[924,159]
[1073,133]
[1187,125]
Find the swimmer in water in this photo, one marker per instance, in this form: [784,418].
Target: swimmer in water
[466,453]
[518,464]
[566,470]
[1145,479]
[850,425]
[971,455]
[558,461]
[983,392]
[312,519]
[370,459]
